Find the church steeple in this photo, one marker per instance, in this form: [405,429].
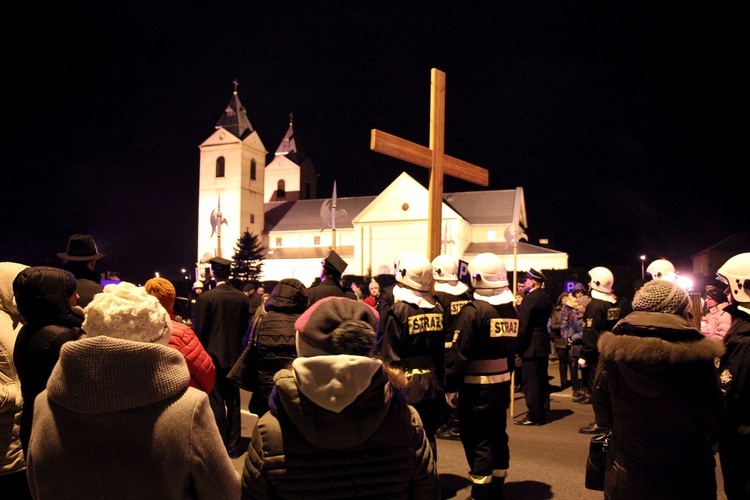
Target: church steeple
[232,171]
[288,145]
[234,119]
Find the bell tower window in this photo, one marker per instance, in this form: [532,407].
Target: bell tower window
[281,190]
[220,166]
[253,169]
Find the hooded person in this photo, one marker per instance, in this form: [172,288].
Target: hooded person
[716,322]
[339,406]
[183,338]
[12,462]
[658,391]
[271,343]
[46,299]
[118,417]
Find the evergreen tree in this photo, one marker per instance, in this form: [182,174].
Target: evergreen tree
[248,259]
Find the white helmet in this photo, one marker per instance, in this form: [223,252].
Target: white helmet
[662,269]
[414,271]
[488,271]
[736,273]
[197,284]
[602,279]
[445,268]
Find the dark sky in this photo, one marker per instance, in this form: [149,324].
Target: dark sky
[627,126]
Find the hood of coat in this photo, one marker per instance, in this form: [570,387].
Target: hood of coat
[288,296]
[42,294]
[8,273]
[647,347]
[327,429]
[105,374]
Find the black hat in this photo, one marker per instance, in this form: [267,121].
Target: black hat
[334,263]
[81,247]
[220,262]
[536,275]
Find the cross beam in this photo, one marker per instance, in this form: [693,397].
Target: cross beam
[432,158]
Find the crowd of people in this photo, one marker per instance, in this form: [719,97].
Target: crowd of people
[107,389]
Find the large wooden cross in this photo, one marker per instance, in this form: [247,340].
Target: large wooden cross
[432,158]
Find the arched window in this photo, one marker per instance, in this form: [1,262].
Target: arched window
[281,190]
[253,169]
[220,166]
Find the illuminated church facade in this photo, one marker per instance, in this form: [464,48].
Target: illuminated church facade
[239,192]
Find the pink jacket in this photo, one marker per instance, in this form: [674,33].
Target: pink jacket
[200,365]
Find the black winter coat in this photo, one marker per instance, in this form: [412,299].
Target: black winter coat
[273,340]
[657,388]
[42,295]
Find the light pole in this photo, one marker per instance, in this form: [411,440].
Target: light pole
[643,267]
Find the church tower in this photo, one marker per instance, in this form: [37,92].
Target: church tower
[230,194]
[291,175]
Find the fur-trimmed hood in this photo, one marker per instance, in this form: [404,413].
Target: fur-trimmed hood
[647,346]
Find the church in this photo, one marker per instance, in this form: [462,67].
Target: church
[239,192]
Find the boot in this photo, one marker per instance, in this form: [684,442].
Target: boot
[480,492]
[497,488]
[578,395]
[583,396]
[586,399]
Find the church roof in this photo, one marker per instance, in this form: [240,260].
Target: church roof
[305,215]
[477,207]
[483,207]
[288,144]
[234,119]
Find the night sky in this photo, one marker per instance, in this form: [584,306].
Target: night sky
[627,126]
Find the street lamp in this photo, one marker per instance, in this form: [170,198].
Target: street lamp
[643,267]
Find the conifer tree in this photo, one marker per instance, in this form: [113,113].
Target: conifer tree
[248,258]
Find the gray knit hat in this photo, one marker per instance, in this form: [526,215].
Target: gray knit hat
[661,296]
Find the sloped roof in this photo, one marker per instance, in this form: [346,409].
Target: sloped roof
[303,215]
[476,207]
[234,119]
[483,207]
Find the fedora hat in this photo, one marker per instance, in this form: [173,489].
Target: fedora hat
[81,247]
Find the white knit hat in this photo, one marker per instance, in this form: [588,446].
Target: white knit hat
[128,312]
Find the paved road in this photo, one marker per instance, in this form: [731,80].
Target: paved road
[545,462]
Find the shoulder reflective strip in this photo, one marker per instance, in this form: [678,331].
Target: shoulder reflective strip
[487,379]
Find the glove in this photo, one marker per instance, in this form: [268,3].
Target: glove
[452,399]
[582,363]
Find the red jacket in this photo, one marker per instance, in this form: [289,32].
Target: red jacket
[200,366]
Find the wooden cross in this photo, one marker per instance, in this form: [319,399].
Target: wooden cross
[432,158]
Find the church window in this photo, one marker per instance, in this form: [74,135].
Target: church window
[278,242]
[253,169]
[316,240]
[220,166]
[252,218]
[281,190]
